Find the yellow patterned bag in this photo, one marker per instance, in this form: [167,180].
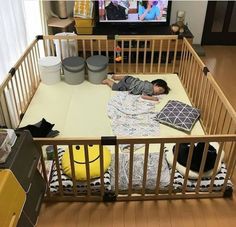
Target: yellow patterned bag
[83,9]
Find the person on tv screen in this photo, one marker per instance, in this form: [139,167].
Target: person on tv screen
[149,10]
[114,11]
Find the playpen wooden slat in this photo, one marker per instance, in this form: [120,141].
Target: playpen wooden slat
[31,71]
[53,53]
[122,54]
[24,63]
[218,118]
[114,55]
[15,96]
[159,56]
[44,171]
[25,83]
[91,47]
[72,167]
[137,56]
[144,56]
[223,123]
[214,171]
[18,93]
[145,165]
[206,102]
[189,160]
[22,98]
[230,166]
[37,50]
[193,78]
[203,96]
[189,76]
[159,169]
[45,47]
[204,156]
[131,163]
[25,72]
[152,55]
[32,63]
[5,111]
[167,56]
[213,115]
[107,53]
[10,89]
[197,86]
[182,60]
[86,154]
[27,88]
[60,48]
[232,149]
[173,168]
[222,96]
[37,57]
[99,47]
[36,66]
[175,54]
[58,170]
[29,75]
[84,50]
[101,169]
[228,155]
[190,49]
[68,47]
[209,118]
[186,70]
[129,66]
[116,169]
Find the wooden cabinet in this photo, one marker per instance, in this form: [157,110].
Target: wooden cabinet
[22,162]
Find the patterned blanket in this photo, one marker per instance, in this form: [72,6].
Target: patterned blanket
[132,116]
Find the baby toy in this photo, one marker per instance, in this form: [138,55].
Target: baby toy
[118,54]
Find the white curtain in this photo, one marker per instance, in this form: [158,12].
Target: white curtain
[13,39]
[19,24]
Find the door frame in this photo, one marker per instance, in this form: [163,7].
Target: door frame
[218,38]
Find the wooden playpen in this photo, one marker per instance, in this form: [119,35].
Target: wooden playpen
[142,55]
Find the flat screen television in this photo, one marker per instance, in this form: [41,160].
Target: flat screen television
[131,16]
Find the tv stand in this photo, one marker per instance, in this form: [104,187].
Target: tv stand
[162,30]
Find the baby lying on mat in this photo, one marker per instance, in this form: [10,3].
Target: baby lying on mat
[138,87]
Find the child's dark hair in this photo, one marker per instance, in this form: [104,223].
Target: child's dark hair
[163,84]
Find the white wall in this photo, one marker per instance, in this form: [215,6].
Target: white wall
[195,16]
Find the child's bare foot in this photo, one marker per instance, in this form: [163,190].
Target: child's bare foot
[108,82]
[105,81]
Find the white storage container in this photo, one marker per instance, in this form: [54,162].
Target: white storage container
[68,48]
[49,68]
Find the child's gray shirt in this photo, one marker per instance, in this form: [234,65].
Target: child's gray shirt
[134,85]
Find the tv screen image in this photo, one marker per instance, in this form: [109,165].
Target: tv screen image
[133,11]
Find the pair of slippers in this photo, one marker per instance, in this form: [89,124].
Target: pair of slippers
[41,129]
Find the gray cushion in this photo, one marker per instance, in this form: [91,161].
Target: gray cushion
[178,115]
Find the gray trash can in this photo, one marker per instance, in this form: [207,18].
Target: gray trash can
[97,68]
[73,70]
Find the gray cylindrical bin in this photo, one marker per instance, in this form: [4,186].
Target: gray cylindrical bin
[73,70]
[97,68]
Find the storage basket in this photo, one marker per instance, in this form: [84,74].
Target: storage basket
[97,68]
[84,30]
[73,70]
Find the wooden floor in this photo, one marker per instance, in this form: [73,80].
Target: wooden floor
[180,213]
